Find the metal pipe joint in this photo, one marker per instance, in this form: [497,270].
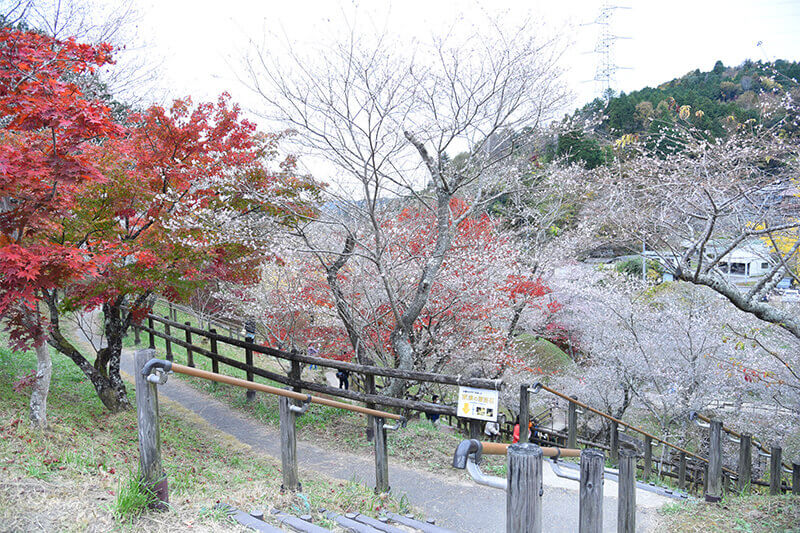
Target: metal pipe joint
[300,409]
[157,370]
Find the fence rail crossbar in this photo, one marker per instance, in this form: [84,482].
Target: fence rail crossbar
[220,378]
[738,436]
[324,389]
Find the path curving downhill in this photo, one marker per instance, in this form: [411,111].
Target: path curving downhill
[455,502]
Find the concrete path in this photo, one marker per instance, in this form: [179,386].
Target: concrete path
[453,500]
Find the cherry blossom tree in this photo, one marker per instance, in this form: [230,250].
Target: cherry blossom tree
[390,120]
[666,351]
[469,321]
[698,201]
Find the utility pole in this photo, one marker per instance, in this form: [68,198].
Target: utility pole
[644,263]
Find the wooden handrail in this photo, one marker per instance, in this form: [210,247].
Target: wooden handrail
[501,448]
[399,403]
[621,423]
[220,378]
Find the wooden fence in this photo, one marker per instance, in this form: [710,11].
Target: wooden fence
[151,371]
[293,378]
[692,471]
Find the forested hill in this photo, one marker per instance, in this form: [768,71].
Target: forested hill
[718,94]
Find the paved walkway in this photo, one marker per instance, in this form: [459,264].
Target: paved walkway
[453,500]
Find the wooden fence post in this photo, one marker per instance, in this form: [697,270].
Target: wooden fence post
[590,513]
[714,475]
[626,503]
[524,494]
[647,468]
[296,374]
[475,429]
[796,479]
[137,334]
[248,359]
[288,446]
[614,454]
[151,327]
[172,312]
[682,471]
[572,424]
[745,463]
[524,413]
[701,479]
[189,353]
[369,388]
[153,474]
[167,342]
[381,456]
[775,468]
[214,362]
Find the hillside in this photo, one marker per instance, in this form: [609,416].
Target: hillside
[712,97]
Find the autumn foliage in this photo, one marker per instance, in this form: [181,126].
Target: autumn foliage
[47,151]
[100,214]
[470,314]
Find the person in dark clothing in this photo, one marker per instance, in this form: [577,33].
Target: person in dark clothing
[433,417]
[250,330]
[344,379]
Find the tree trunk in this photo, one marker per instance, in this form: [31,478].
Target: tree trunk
[116,324]
[41,386]
[104,374]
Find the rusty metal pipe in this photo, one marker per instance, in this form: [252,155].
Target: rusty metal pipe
[500,448]
[621,423]
[219,378]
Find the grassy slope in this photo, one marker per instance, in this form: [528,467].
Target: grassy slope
[68,478]
[756,514]
[543,353]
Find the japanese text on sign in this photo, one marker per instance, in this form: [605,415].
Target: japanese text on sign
[480,404]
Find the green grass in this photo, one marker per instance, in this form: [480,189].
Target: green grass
[133,498]
[756,514]
[77,475]
[204,363]
[543,353]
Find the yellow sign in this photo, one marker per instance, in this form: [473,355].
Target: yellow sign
[480,404]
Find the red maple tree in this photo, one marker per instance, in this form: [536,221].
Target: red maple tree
[470,316]
[100,214]
[184,186]
[47,142]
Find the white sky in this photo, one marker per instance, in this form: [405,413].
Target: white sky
[202,41]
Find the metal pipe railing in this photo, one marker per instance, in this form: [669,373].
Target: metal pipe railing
[738,436]
[501,448]
[167,366]
[539,385]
